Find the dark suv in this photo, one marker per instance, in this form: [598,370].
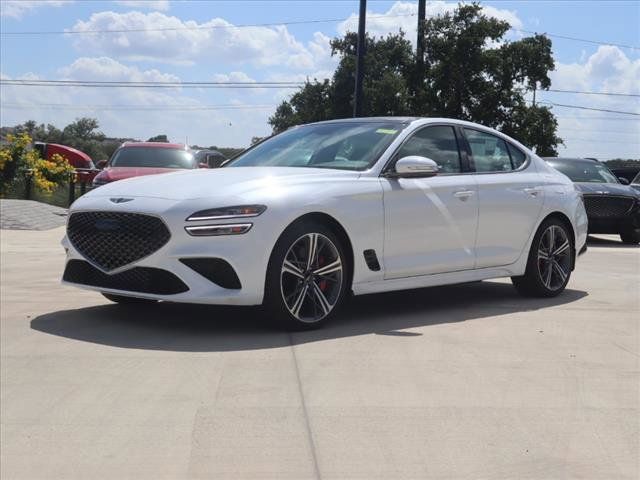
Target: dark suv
[612,207]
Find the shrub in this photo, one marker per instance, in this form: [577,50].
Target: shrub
[17,161]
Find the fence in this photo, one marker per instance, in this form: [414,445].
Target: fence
[77,185]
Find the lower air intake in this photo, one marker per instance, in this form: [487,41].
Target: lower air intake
[139,279]
[215,270]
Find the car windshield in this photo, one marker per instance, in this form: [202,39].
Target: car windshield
[590,172]
[636,179]
[153,157]
[344,146]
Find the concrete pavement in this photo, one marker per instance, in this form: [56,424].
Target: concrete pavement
[456,382]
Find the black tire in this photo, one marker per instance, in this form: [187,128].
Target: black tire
[631,237]
[123,300]
[299,287]
[547,277]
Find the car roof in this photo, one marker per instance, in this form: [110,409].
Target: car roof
[154,145]
[570,160]
[369,120]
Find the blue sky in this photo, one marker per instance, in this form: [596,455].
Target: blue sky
[294,52]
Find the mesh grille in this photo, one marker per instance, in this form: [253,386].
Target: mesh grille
[602,206]
[139,279]
[112,240]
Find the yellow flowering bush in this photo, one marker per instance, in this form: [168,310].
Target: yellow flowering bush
[17,162]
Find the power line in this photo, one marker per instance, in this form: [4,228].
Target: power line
[583,92]
[583,117]
[581,107]
[275,24]
[199,27]
[596,140]
[70,106]
[575,39]
[126,84]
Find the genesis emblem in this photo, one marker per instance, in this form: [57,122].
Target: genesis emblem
[120,200]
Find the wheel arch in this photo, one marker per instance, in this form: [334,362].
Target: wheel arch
[337,228]
[564,219]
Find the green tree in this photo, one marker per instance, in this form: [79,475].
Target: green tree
[159,138]
[84,135]
[470,73]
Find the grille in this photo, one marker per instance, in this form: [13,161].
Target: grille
[138,279]
[111,240]
[603,206]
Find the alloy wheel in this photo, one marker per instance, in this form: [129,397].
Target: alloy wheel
[311,277]
[554,257]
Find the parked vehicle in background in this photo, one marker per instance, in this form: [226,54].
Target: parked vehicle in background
[355,205]
[78,160]
[613,207]
[212,158]
[635,183]
[627,173]
[135,159]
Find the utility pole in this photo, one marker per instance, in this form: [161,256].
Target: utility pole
[422,15]
[357,95]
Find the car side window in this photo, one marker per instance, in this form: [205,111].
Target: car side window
[439,143]
[490,153]
[517,157]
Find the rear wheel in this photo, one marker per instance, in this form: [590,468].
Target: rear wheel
[127,300]
[549,263]
[631,237]
[307,276]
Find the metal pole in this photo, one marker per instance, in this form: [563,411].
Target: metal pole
[422,15]
[357,95]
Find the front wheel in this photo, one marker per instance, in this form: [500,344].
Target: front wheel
[307,276]
[549,263]
[631,237]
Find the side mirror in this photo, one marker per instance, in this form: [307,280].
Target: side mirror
[101,164]
[415,166]
[203,165]
[623,181]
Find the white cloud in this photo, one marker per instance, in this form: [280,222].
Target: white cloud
[403,16]
[591,133]
[19,8]
[161,5]
[169,39]
[180,113]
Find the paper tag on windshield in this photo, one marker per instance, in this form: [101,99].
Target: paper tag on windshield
[386,131]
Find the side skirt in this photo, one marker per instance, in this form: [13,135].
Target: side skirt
[434,280]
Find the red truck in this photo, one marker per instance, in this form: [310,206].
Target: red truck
[77,159]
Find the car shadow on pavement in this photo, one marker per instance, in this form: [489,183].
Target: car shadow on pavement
[202,328]
[608,242]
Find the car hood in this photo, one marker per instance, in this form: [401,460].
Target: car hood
[606,188]
[111,174]
[230,182]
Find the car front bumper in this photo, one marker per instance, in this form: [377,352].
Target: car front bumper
[247,254]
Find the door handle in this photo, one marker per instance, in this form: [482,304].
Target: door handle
[463,194]
[533,191]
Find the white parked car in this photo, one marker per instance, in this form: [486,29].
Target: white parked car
[302,219]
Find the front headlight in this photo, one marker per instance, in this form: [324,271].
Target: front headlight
[216,230]
[224,213]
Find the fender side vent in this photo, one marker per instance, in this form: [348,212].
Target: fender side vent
[372,260]
[215,270]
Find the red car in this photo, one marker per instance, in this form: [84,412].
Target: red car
[145,158]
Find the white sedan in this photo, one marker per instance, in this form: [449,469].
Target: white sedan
[360,206]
